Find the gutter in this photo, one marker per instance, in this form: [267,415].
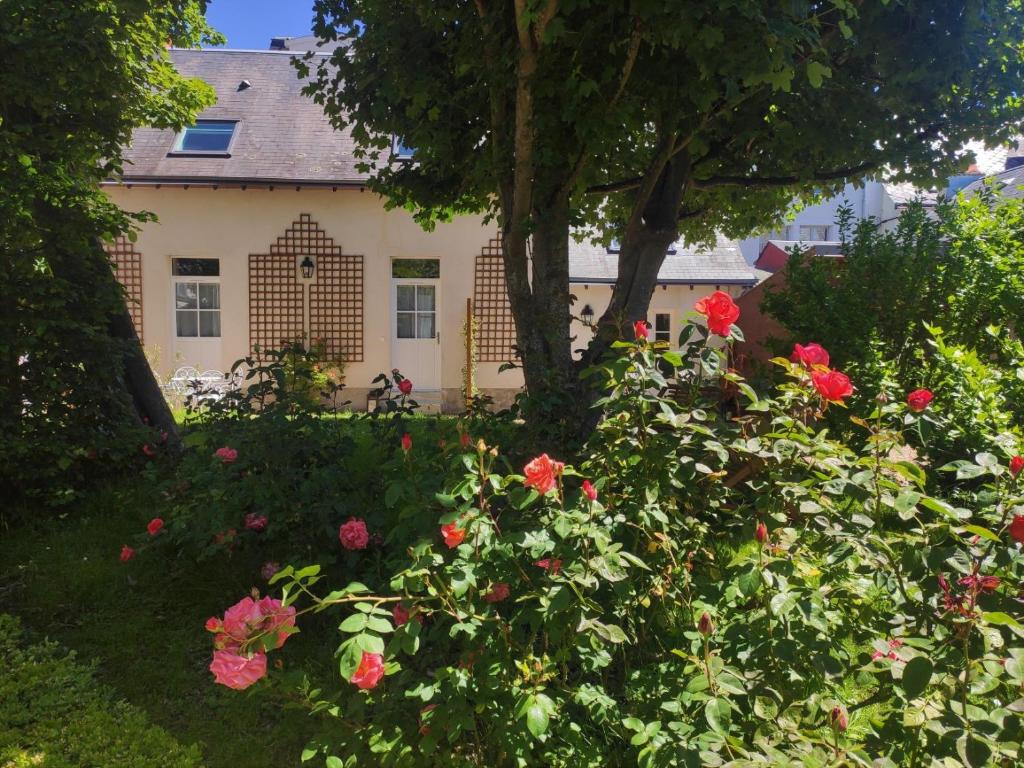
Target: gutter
[230,182]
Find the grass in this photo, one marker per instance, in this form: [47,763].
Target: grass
[142,624]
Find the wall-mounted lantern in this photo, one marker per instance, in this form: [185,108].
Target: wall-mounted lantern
[587,314]
[308,267]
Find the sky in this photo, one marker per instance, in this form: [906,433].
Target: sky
[251,23]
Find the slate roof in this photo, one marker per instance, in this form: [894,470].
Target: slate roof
[1009,183]
[304,43]
[721,265]
[905,192]
[282,136]
[820,247]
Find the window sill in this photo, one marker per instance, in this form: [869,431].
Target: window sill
[199,154]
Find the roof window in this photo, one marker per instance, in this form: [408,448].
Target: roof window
[206,137]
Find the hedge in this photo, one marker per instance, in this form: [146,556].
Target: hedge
[53,714]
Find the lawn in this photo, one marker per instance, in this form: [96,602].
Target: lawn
[142,624]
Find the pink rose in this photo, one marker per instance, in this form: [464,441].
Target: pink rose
[405,386]
[589,490]
[761,533]
[127,553]
[918,400]
[370,671]
[837,719]
[498,593]
[809,355]
[226,455]
[236,671]
[269,569]
[353,534]
[720,311]
[400,614]
[640,330]
[453,535]
[249,617]
[542,473]
[705,626]
[155,526]
[149,450]
[256,522]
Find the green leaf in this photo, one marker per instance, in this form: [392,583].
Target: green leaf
[538,715]
[717,712]
[916,676]
[816,72]
[334,762]
[355,623]
[1003,619]
[977,530]
[750,581]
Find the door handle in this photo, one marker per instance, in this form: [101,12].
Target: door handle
[438,336]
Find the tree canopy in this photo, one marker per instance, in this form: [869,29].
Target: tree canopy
[77,78]
[654,120]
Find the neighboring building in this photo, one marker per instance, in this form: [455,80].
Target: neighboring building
[266,232]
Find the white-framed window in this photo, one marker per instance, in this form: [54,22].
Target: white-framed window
[196,298]
[399,151]
[810,232]
[206,137]
[663,327]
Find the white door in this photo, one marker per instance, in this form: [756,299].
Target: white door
[197,333]
[415,331]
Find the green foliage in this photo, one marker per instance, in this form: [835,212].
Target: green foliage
[54,715]
[936,302]
[652,627]
[78,77]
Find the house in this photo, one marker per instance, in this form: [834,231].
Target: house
[266,232]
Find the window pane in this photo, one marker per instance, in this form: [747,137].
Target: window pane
[424,297]
[209,323]
[195,267]
[187,323]
[209,296]
[425,325]
[405,325]
[662,323]
[429,268]
[185,296]
[406,297]
[207,136]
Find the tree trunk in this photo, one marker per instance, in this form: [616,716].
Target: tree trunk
[140,382]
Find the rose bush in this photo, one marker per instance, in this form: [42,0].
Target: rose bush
[725,590]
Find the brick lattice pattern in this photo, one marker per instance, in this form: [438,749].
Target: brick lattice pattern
[277,301]
[128,270]
[491,307]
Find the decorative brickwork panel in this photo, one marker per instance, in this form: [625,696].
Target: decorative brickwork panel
[277,301]
[336,306]
[276,304]
[128,270]
[491,307]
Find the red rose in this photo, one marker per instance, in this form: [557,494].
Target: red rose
[1017,528]
[810,355]
[542,473]
[761,533]
[407,442]
[464,440]
[705,626]
[127,553]
[453,535]
[255,522]
[832,386]
[837,719]
[589,490]
[370,671]
[499,592]
[149,450]
[640,330]
[400,614]
[918,399]
[549,565]
[154,526]
[720,311]
[353,534]
[405,386]
[1016,465]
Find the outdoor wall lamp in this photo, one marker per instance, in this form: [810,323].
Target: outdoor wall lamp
[587,314]
[308,267]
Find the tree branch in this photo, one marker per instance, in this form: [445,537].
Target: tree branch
[783,181]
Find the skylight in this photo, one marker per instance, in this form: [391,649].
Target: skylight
[399,151]
[206,137]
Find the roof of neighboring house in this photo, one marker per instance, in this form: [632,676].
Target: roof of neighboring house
[722,264]
[776,253]
[993,160]
[905,192]
[304,43]
[282,136]
[1010,183]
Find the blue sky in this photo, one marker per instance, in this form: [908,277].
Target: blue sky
[251,23]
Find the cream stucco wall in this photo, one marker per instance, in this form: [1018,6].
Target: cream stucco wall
[230,223]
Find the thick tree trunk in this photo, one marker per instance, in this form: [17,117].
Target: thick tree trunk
[141,383]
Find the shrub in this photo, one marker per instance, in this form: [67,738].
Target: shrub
[721,590]
[54,715]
